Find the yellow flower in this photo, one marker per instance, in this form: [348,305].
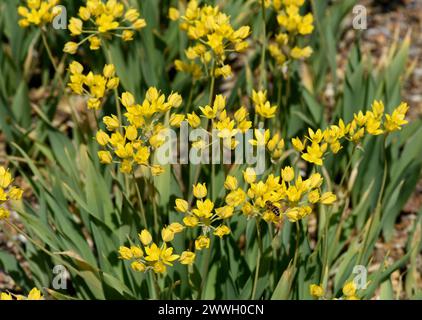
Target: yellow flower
[126,167]
[313,196]
[221,231]
[328,198]
[266,110]
[190,221]
[225,212]
[167,234]
[139,24]
[349,289]
[156,170]
[109,71]
[236,198]
[181,205]
[105,157]
[127,99]
[314,153]
[298,145]
[187,258]
[396,120]
[208,112]
[75,26]
[176,119]
[105,19]
[138,266]
[70,47]
[301,53]
[316,291]
[132,15]
[37,12]
[230,183]
[287,174]
[175,100]
[193,120]
[5,296]
[200,190]
[137,252]
[35,294]
[176,227]
[249,175]
[15,193]
[4,214]
[293,214]
[5,178]
[94,103]
[125,253]
[204,208]
[145,237]
[131,133]
[202,242]
[112,123]
[102,138]
[127,35]
[174,14]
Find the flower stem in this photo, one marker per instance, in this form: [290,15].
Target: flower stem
[205,273]
[258,258]
[379,204]
[57,71]
[141,205]
[264,47]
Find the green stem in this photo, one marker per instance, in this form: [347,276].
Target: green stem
[74,114]
[264,47]
[156,286]
[210,99]
[205,273]
[141,204]
[379,204]
[346,171]
[258,258]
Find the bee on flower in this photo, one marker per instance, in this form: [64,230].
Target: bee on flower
[99,20]
[8,192]
[213,39]
[282,196]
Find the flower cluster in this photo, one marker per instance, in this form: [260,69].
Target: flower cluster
[274,145]
[262,106]
[38,12]
[34,294]
[7,192]
[93,86]
[225,127]
[279,196]
[350,291]
[155,258]
[213,36]
[373,122]
[133,143]
[100,21]
[205,216]
[293,25]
